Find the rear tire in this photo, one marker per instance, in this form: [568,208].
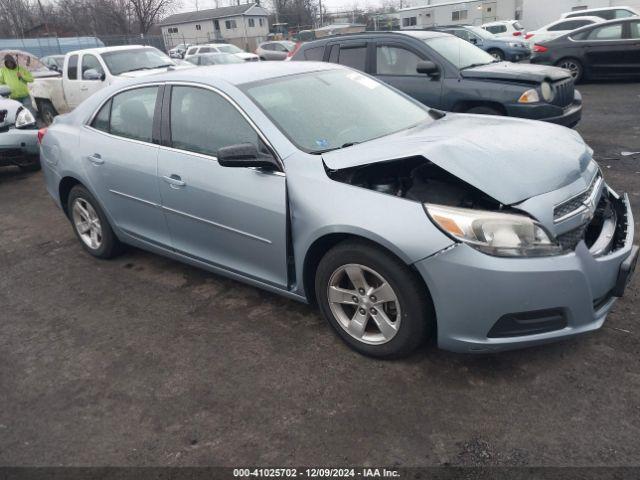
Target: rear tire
[90,224]
[496,53]
[390,325]
[481,110]
[574,66]
[47,111]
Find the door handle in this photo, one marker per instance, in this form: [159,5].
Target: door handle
[96,159]
[174,181]
[84,89]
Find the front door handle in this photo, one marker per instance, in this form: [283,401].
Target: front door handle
[174,181]
[96,159]
[84,89]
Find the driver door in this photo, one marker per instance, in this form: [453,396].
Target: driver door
[88,84]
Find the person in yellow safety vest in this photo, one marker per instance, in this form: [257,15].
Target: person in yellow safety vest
[16,78]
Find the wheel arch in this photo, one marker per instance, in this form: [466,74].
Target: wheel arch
[464,105]
[64,188]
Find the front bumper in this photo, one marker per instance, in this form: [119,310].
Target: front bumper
[568,116]
[18,146]
[472,291]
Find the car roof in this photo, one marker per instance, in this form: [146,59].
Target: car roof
[238,74]
[419,34]
[582,17]
[499,22]
[600,9]
[110,49]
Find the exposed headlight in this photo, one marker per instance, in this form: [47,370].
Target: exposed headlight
[516,45]
[530,96]
[24,118]
[547,91]
[499,234]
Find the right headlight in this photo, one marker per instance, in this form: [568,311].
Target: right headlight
[494,233]
[25,118]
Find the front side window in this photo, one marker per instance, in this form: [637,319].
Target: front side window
[132,113]
[91,62]
[609,32]
[72,67]
[635,29]
[203,122]
[192,51]
[148,58]
[396,61]
[346,107]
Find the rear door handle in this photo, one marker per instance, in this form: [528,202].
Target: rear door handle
[96,159]
[174,181]
[84,89]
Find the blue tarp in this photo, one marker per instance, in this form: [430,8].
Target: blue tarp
[41,47]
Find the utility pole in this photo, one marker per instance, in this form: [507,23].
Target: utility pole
[320,3]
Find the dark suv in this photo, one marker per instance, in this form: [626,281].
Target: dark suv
[445,72]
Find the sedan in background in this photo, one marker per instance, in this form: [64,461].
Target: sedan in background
[501,48]
[605,50]
[179,50]
[53,62]
[559,28]
[221,48]
[323,184]
[214,59]
[275,50]
[505,28]
[448,73]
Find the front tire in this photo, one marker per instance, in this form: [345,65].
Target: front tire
[574,66]
[373,301]
[90,224]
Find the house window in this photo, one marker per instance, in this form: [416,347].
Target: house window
[252,22]
[261,22]
[410,21]
[459,15]
[216,25]
[230,24]
[173,29]
[198,27]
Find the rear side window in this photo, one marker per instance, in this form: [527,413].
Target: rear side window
[132,113]
[203,122]
[205,50]
[72,68]
[192,50]
[101,120]
[623,14]
[635,29]
[496,29]
[314,54]
[570,25]
[354,57]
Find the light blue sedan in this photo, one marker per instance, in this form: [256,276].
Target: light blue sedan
[322,184]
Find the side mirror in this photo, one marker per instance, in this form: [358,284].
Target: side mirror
[245,155]
[54,67]
[5,91]
[428,68]
[92,74]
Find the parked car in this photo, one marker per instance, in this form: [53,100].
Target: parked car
[606,13]
[513,50]
[221,48]
[18,134]
[53,62]
[445,72]
[88,71]
[505,28]
[560,27]
[30,62]
[275,50]
[179,50]
[214,59]
[606,50]
[400,222]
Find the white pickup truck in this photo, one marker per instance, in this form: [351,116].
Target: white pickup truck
[86,71]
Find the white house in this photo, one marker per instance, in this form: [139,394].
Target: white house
[431,13]
[243,25]
[536,13]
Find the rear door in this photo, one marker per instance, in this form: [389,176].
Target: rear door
[634,49]
[395,63]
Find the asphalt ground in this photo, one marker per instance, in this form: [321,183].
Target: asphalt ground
[145,361]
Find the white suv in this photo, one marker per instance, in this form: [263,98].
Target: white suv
[221,48]
[505,28]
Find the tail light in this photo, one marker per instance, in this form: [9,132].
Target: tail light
[41,133]
[539,48]
[529,35]
[517,34]
[295,49]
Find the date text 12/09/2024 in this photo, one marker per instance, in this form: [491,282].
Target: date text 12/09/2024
[367,472]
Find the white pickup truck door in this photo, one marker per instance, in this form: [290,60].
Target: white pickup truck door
[77,86]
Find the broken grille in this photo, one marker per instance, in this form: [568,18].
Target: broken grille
[576,203]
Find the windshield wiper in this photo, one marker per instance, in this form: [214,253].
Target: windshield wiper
[344,145]
[475,65]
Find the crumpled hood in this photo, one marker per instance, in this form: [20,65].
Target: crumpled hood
[526,72]
[11,107]
[509,159]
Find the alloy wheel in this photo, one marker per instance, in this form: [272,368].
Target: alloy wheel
[87,223]
[572,66]
[364,304]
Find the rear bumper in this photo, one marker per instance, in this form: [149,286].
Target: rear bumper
[472,291]
[568,116]
[517,55]
[18,146]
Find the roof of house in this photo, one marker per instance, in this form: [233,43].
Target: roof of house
[208,14]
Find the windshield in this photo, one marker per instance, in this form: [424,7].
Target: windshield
[346,107]
[459,52]
[481,32]
[122,61]
[288,45]
[229,49]
[220,58]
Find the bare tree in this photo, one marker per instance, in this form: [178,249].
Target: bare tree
[147,12]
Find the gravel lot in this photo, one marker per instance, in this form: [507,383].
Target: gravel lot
[145,361]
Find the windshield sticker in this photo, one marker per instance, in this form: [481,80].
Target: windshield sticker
[322,142]
[364,81]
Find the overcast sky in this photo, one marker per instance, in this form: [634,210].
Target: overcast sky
[331,5]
